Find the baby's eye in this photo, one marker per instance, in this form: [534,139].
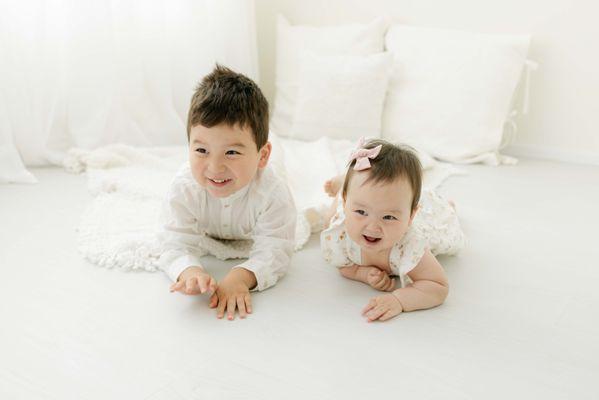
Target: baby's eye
[361,212]
[232,152]
[390,218]
[202,150]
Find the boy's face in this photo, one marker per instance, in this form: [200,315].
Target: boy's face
[377,215]
[224,158]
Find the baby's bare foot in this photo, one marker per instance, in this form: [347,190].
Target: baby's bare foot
[332,186]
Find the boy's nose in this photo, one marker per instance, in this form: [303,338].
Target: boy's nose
[217,165]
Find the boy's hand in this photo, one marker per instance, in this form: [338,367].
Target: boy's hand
[382,307]
[194,280]
[380,280]
[233,292]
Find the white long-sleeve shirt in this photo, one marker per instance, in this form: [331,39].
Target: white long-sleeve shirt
[263,211]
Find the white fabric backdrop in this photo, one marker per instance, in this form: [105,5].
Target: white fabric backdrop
[84,73]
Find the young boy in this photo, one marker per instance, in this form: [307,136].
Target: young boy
[227,191]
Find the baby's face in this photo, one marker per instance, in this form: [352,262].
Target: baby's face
[377,215]
[224,158]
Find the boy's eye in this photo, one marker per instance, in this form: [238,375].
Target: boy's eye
[201,150]
[390,218]
[232,152]
[361,212]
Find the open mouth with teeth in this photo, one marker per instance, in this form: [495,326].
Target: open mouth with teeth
[219,182]
[371,239]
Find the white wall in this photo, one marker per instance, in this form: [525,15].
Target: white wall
[564,113]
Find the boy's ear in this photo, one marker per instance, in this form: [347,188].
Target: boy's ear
[264,155]
[413,214]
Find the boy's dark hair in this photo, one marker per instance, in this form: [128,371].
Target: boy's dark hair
[225,96]
[393,161]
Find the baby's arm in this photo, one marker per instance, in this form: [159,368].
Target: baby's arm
[369,275]
[429,289]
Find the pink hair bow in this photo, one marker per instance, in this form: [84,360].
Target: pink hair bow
[362,155]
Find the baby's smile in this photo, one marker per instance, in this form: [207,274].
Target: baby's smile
[371,239]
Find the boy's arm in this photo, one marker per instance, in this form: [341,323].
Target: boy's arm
[429,287]
[274,240]
[178,234]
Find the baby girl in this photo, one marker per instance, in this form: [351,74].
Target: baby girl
[378,236]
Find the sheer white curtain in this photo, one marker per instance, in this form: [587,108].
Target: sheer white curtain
[87,73]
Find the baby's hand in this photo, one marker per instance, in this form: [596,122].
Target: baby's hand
[380,280]
[194,280]
[232,293]
[382,308]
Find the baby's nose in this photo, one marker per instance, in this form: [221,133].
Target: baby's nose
[374,226]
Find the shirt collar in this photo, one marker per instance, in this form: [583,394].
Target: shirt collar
[237,195]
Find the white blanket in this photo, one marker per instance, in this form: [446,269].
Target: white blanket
[118,228]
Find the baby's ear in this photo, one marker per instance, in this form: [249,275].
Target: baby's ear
[264,155]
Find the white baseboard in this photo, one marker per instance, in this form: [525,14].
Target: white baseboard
[545,153]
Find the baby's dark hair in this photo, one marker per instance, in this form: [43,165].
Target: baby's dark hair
[393,161]
[225,96]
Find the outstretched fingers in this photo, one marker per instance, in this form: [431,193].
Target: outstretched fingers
[371,304]
[220,311]
[213,300]
[388,315]
[376,313]
[248,303]
[241,307]
[231,306]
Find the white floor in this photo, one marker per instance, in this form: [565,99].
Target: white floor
[521,321]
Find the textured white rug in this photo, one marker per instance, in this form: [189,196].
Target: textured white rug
[118,228]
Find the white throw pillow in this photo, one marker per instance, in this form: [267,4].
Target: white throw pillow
[341,97]
[293,41]
[451,91]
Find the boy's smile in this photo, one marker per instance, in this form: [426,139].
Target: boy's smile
[224,158]
[219,182]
